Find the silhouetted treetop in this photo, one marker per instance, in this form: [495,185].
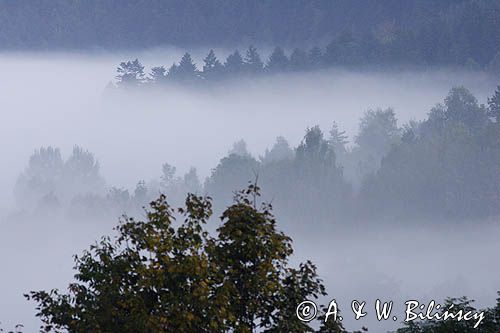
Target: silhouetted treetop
[159,275]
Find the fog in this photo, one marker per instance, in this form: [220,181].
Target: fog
[60,100]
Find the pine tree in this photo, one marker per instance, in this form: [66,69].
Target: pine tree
[130,74]
[240,148]
[234,63]
[158,75]
[253,63]
[338,139]
[212,67]
[173,72]
[185,71]
[278,61]
[280,151]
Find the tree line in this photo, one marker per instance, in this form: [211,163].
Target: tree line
[446,166]
[450,32]
[344,51]
[131,73]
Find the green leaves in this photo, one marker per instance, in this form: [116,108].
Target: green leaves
[157,277]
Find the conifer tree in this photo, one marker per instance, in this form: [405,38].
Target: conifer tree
[158,75]
[234,63]
[212,67]
[172,73]
[187,69]
[338,139]
[253,63]
[278,61]
[130,74]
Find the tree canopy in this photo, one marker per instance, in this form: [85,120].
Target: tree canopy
[158,275]
[432,32]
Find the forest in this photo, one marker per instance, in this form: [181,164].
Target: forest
[446,166]
[210,165]
[441,170]
[432,33]
[344,52]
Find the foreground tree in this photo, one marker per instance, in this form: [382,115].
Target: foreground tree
[154,277]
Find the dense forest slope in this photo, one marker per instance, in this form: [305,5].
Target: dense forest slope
[439,29]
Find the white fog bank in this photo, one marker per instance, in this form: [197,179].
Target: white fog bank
[58,100]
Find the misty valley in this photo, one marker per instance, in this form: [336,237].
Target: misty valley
[404,169]
[333,174]
[186,166]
